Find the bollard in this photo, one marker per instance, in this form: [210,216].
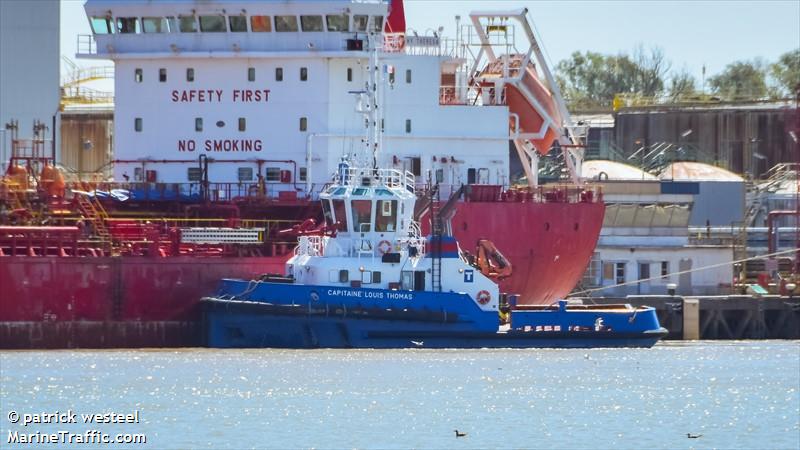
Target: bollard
[691,319]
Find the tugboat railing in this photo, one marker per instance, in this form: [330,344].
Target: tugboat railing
[391,178]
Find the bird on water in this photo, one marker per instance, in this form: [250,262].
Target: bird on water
[459,434]
[693,436]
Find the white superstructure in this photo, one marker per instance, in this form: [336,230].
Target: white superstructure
[264,89]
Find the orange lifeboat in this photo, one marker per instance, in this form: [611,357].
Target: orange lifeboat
[530,100]
[490,261]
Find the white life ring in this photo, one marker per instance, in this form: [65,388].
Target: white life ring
[384,247]
[483,297]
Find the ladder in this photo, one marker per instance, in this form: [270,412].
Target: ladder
[436,234]
[94,212]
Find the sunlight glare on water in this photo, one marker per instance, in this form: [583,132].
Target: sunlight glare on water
[736,394]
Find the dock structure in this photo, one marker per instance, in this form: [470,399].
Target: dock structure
[727,317]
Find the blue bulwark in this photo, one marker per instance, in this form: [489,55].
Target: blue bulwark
[680,187]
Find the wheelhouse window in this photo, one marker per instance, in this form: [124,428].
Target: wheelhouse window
[126,25]
[377,24]
[155,25]
[212,24]
[311,23]
[260,24]
[102,25]
[362,214]
[327,214]
[285,23]
[360,22]
[238,24]
[340,215]
[187,24]
[386,216]
[273,174]
[340,22]
[172,24]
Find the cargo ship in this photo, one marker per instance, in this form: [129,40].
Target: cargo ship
[231,116]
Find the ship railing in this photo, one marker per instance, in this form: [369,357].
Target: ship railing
[552,193]
[391,178]
[86,44]
[310,246]
[216,192]
[432,45]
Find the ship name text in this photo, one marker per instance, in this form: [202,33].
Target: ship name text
[394,295]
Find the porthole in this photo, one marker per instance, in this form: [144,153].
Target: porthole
[220,124]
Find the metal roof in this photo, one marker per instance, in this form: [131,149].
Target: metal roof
[696,171]
[614,171]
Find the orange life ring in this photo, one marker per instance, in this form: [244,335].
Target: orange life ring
[484,297]
[384,247]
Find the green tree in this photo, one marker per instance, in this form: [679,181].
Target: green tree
[786,72]
[741,80]
[681,85]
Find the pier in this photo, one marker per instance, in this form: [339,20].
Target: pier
[728,317]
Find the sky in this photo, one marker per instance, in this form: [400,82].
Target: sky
[692,34]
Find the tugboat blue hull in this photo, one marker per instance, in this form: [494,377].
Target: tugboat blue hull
[255,324]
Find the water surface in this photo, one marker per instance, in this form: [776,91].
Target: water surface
[736,394]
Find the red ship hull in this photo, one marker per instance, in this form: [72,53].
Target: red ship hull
[139,301]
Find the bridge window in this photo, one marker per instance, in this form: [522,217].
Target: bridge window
[339,22]
[273,174]
[251,74]
[162,75]
[102,25]
[285,23]
[172,25]
[188,24]
[408,76]
[189,74]
[260,24]
[362,215]
[279,74]
[137,75]
[198,124]
[303,74]
[386,216]
[128,25]
[242,124]
[360,22]
[377,24]
[194,174]
[664,268]
[137,124]
[238,24]
[245,174]
[212,24]
[303,123]
[340,215]
[311,23]
[349,74]
[155,25]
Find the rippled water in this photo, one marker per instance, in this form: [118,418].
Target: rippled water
[737,395]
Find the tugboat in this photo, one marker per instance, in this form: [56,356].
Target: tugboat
[367,278]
